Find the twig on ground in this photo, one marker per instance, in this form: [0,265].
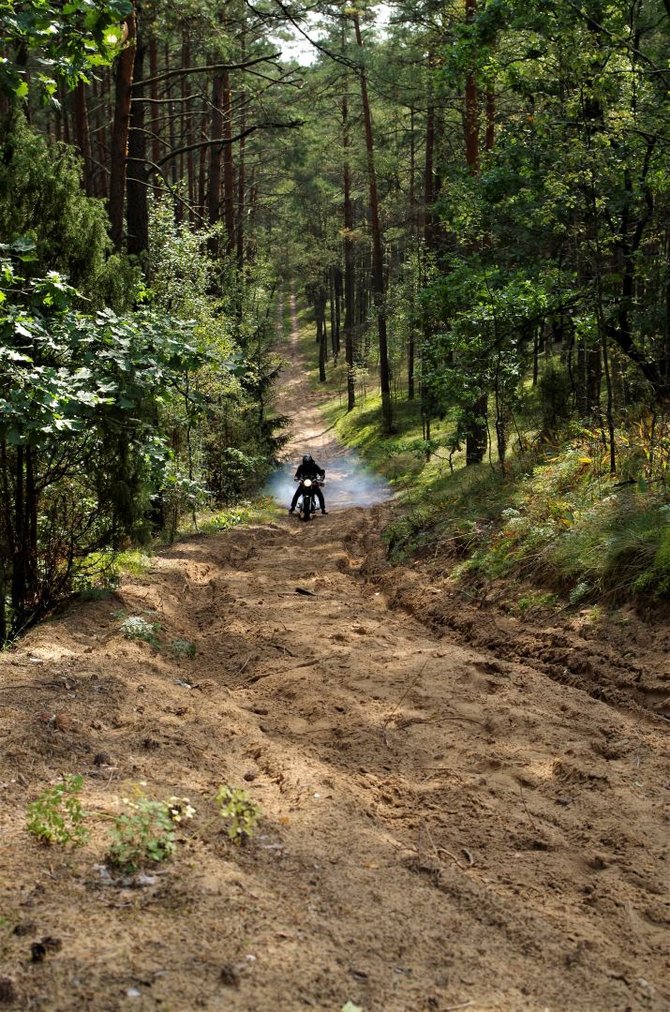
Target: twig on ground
[459,716]
[409,688]
[33,685]
[525,808]
[306,664]
[464,1004]
[469,856]
[443,850]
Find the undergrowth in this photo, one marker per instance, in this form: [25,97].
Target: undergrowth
[259,510]
[555,520]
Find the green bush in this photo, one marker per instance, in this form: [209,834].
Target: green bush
[145,833]
[57,816]
[239,811]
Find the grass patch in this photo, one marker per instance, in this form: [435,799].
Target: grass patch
[405,459]
[261,510]
[100,572]
[555,520]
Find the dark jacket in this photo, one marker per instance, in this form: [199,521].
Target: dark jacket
[310,471]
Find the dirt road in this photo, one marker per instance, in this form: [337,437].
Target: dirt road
[441,829]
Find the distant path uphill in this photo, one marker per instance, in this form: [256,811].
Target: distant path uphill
[441,828]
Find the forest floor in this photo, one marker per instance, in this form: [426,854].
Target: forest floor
[444,826]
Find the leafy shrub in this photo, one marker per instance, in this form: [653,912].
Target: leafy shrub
[144,834]
[56,816]
[241,813]
[183,648]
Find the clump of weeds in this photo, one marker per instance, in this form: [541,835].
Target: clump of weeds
[57,816]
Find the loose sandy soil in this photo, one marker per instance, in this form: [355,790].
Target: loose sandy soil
[444,827]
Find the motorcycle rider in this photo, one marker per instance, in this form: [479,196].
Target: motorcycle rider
[309,469]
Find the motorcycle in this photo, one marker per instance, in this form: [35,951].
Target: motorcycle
[307,503]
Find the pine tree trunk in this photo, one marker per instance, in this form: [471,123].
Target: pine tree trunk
[348,251]
[187,130]
[83,136]
[119,146]
[137,183]
[155,110]
[214,191]
[202,168]
[413,227]
[477,435]
[471,107]
[228,165]
[241,183]
[377,258]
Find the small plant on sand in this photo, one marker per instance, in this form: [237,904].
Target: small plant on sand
[145,833]
[183,648]
[239,811]
[57,816]
[134,627]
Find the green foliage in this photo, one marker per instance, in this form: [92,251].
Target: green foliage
[101,571]
[133,561]
[57,816]
[227,453]
[261,510]
[555,520]
[239,811]
[183,648]
[43,208]
[144,834]
[65,42]
[81,391]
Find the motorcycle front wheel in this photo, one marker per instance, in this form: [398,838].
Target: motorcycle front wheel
[306,508]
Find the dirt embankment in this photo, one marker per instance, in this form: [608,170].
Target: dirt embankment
[615,655]
[443,825]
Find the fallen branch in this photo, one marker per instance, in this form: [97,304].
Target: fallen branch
[525,808]
[34,685]
[409,688]
[461,716]
[306,664]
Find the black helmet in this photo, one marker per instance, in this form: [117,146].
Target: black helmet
[307,459]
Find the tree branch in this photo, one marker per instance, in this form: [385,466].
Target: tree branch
[218,140]
[181,71]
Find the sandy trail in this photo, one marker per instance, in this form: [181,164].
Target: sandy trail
[309,432]
[442,829]
[348,482]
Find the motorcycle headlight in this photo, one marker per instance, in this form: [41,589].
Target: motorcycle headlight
[307,482]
